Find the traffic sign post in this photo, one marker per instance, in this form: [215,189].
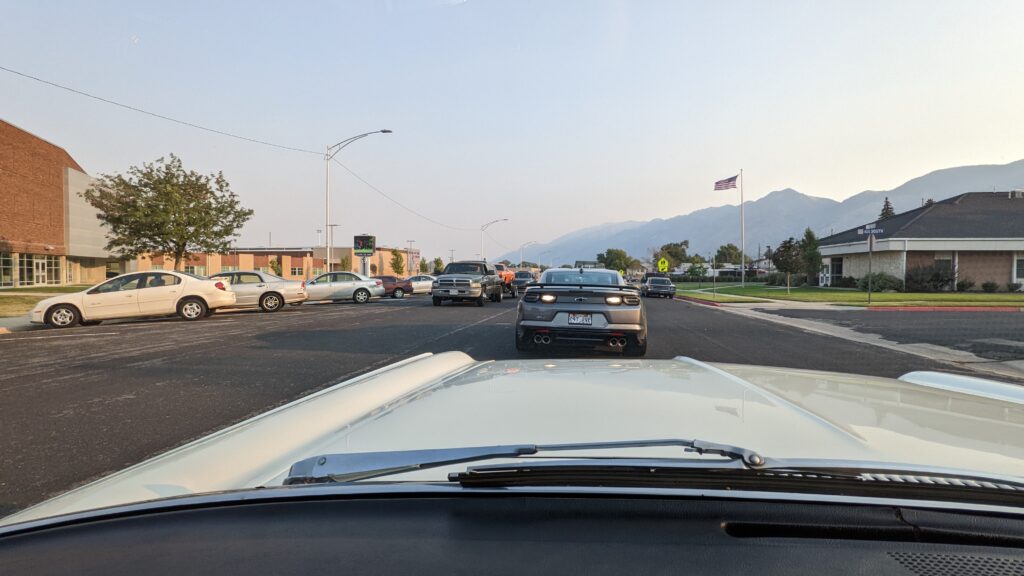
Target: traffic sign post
[870,230]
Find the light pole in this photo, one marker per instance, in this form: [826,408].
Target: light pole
[328,156]
[521,246]
[409,254]
[485,227]
[541,255]
[318,231]
[330,234]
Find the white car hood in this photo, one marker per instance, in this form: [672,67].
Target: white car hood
[450,400]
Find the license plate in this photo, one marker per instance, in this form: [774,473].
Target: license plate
[453,291]
[580,319]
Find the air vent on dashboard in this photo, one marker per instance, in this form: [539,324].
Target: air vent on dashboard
[959,565]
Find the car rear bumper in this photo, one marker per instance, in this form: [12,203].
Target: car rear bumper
[220,300]
[462,293]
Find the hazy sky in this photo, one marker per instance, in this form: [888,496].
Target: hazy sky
[553,114]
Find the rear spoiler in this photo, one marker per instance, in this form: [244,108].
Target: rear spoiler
[605,286]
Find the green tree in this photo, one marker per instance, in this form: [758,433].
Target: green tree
[674,252]
[788,258]
[424,267]
[887,210]
[810,254]
[344,263]
[438,265]
[615,259]
[397,263]
[730,253]
[159,209]
[275,264]
[697,271]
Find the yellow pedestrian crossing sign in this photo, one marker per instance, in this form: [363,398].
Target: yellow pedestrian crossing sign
[622,272]
[663,265]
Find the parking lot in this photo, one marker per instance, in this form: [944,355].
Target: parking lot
[82,402]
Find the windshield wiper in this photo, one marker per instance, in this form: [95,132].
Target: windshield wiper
[365,465]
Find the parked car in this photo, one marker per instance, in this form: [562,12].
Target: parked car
[656,286]
[507,279]
[568,466]
[269,292]
[135,295]
[467,281]
[338,286]
[421,284]
[523,277]
[591,307]
[395,286]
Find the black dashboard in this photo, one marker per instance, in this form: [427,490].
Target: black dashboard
[523,534]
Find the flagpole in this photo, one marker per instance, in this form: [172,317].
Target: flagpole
[743,237]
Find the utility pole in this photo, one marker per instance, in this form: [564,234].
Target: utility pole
[330,235]
[451,255]
[410,255]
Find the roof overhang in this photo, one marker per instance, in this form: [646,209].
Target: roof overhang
[927,244]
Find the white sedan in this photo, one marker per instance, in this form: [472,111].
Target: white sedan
[421,284]
[138,294]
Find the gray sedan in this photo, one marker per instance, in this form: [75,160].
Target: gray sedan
[262,289]
[337,286]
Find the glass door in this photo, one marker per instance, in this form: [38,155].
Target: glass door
[40,271]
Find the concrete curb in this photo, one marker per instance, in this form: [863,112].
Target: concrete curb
[945,308]
[698,301]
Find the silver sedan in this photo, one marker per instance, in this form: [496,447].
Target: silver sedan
[262,289]
[337,286]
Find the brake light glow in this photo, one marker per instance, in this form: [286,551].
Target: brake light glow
[548,298]
[613,300]
[303,284]
[220,286]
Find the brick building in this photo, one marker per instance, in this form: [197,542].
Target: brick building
[978,235]
[48,233]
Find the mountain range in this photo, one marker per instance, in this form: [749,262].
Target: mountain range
[770,219]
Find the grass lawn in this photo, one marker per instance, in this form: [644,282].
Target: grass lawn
[858,298]
[709,297]
[47,289]
[17,305]
[700,285]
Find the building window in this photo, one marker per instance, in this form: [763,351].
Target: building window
[296,270]
[6,269]
[229,268]
[1019,269]
[197,270]
[52,269]
[318,271]
[26,270]
[158,266]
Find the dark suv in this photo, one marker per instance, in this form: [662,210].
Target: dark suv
[658,286]
[467,281]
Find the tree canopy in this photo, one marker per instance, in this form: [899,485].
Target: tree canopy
[160,209]
[730,253]
[438,265]
[424,267]
[674,252]
[788,258]
[810,254]
[397,263]
[616,259]
[887,210]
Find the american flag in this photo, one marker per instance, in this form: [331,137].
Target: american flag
[727,183]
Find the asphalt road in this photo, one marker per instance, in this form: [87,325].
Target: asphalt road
[79,403]
[992,335]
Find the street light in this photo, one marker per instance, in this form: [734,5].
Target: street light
[484,227]
[541,255]
[330,234]
[521,246]
[329,155]
[409,254]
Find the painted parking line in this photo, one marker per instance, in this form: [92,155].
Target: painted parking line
[80,334]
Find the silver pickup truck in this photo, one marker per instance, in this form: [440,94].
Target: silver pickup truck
[467,281]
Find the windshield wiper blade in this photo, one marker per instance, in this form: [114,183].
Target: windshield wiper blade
[365,465]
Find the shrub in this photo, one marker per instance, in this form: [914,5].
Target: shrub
[964,285]
[1013,286]
[989,286]
[929,279]
[880,282]
[844,282]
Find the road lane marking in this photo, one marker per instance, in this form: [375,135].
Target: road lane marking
[58,336]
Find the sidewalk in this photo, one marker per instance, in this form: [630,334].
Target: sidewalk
[1007,369]
[15,324]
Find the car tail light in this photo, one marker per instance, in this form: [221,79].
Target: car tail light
[531,296]
[548,298]
[379,282]
[613,300]
[631,300]
[303,284]
[220,286]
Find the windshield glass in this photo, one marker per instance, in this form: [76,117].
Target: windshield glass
[819,208]
[464,268]
[578,277]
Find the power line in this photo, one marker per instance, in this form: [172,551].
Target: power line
[403,206]
[160,116]
[495,241]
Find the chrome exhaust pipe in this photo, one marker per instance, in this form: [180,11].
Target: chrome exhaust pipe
[616,342]
[622,342]
[537,339]
[546,339]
